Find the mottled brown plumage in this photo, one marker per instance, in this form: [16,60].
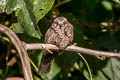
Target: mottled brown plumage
[59,34]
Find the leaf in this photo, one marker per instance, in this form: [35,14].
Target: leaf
[112,69]
[117,1]
[16,27]
[107,5]
[28,13]
[41,7]
[25,20]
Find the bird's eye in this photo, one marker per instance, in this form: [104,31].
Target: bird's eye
[64,22]
[56,22]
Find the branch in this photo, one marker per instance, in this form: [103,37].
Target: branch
[21,51]
[37,46]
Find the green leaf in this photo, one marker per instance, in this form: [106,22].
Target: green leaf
[107,5]
[27,23]
[41,7]
[112,69]
[16,27]
[28,13]
[117,1]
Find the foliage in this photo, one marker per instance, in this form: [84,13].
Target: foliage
[96,26]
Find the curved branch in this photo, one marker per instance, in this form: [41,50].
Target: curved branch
[72,48]
[21,51]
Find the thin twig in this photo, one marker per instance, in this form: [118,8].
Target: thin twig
[61,3]
[86,65]
[33,64]
[7,66]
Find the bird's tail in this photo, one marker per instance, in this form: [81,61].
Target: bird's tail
[46,62]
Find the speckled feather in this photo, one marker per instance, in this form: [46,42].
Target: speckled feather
[59,34]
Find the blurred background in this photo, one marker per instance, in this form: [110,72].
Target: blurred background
[96,26]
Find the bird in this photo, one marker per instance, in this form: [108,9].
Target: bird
[60,34]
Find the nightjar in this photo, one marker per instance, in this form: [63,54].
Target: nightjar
[59,34]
